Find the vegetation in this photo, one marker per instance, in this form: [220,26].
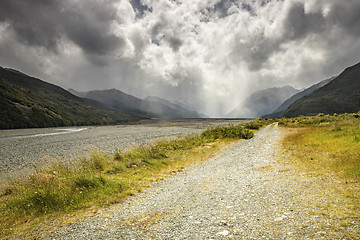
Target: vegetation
[277,112]
[29,102]
[103,179]
[227,132]
[341,95]
[334,141]
[328,147]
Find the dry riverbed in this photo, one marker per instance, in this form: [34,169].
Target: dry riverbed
[244,193]
[23,149]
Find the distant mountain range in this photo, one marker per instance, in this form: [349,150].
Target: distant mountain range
[277,113]
[341,95]
[263,102]
[156,106]
[185,112]
[27,102]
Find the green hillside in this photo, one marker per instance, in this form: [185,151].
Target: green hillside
[27,102]
[341,95]
[277,113]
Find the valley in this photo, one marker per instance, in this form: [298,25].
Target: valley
[164,119]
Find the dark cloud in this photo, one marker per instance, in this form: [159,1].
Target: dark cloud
[163,29]
[248,8]
[174,42]
[222,7]
[43,23]
[140,8]
[346,15]
[34,22]
[87,24]
[219,9]
[299,24]
[265,2]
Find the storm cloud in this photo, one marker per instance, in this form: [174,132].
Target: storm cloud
[47,23]
[208,54]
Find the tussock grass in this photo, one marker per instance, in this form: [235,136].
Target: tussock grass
[328,147]
[102,179]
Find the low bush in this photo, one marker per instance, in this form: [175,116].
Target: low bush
[227,132]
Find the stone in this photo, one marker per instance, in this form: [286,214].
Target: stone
[223,233]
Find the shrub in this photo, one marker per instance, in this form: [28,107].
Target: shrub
[227,132]
[253,125]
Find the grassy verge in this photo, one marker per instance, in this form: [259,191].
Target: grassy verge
[328,149]
[102,179]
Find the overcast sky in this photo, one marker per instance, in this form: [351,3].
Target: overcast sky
[209,53]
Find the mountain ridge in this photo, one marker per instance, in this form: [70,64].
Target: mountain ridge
[28,102]
[277,113]
[341,95]
[263,102]
[154,106]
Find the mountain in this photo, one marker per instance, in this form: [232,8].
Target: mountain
[341,95]
[118,100]
[263,102]
[152,106]
[185,112]
[27,102]
[277,113]
[76,93]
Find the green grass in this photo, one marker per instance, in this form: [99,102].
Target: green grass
[102,179]
[328,143]
[328,148]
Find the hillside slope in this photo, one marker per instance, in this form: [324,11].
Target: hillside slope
[263,102]
[277,113]
[341,95]
[152,106]
[27,102]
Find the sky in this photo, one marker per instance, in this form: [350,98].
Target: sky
[208,54]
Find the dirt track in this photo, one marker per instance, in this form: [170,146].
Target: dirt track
[241,194]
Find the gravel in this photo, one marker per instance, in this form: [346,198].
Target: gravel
[22,150]
[240,194]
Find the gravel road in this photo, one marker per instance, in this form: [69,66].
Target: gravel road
[240,194]
[22,149]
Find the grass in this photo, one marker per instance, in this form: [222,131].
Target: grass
[328,149]
[102,179]
[329,146]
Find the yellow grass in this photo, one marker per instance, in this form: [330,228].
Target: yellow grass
[132,175]
[329,154]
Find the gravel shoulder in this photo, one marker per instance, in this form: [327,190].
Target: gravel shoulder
[243,193]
